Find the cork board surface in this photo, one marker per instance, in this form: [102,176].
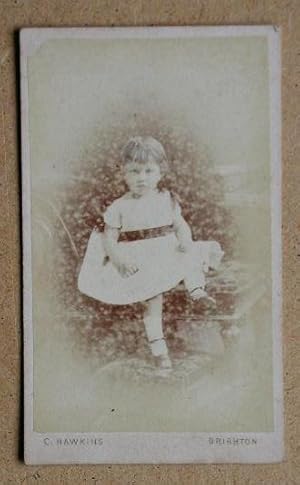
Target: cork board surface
[45,13]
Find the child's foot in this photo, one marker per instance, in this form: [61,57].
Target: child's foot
[199,294]
[163,364]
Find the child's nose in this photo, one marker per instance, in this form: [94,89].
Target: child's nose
[142,175]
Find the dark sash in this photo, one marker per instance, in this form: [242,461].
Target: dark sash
[128,236]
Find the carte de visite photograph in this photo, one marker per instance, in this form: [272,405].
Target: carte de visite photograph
[151,215]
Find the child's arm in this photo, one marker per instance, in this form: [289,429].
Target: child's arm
[183,233]
[182,229]
[111,236]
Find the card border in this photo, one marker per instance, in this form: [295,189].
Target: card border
[96,448]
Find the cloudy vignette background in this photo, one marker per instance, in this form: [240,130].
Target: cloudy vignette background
[214,107]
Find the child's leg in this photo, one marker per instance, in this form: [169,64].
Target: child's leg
[154,331]
[153,326]
[194,280]
[194,274]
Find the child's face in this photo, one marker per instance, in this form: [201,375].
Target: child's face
[142,177]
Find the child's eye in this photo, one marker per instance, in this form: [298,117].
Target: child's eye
[149,170]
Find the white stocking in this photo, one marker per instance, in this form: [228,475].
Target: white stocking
[153,326]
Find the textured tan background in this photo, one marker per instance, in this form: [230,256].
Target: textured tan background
[15,14]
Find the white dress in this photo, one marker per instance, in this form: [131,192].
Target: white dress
[161,266]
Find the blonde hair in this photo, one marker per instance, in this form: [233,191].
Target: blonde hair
[144,149]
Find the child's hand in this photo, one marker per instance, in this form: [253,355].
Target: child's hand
[184,246]
[125,269]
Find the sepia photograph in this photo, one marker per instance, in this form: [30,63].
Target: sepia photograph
[151,174]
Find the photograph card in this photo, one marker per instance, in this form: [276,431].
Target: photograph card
[151,195]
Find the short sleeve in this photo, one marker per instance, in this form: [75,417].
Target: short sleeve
[112,216]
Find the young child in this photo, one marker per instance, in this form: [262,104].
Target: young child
[147,246]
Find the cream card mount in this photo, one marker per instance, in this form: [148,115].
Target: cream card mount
[151,191]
